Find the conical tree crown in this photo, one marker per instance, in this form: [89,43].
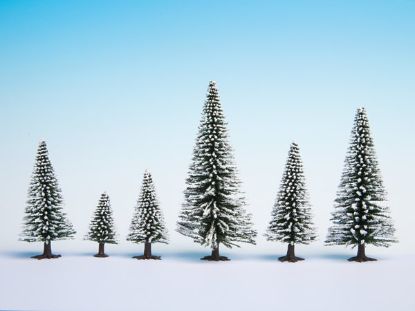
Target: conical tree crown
[44,218]
[147,224]
[361,215]
[214,208]
[291,220]
[101,229]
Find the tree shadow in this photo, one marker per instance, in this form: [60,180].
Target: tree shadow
[333,256]
[343,257]
[20,254]
[195,256]
[124,254]
[187,256]
[274,257]
[265,257]
[79,254]
[29,254]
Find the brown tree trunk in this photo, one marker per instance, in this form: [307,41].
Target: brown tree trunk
[47,252]
[361,255]
[290,257]
[47,249]
[215,256]
[147,252]
[215,253]
[101,251]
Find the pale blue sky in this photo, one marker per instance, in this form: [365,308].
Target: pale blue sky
[116,87]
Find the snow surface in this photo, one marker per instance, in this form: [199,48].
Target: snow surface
[251,281]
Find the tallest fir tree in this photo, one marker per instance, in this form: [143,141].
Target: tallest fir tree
[214,209]
[361,216]
[45,221]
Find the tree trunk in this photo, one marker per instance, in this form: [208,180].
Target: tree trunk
[101,250]
[290,257]
[361,251]
[47,249]
[47,252]
[361,255]
[215,253]
[215,256]
[147,252]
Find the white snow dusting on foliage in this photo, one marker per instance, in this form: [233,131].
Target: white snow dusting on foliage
[361,198]
[291,220]
[214,209]
[102,225]
[147,224]
[44,219]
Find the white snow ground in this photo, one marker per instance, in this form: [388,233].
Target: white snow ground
[251,281]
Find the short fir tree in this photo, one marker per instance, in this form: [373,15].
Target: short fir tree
[291,220]
[214,209]
[147,225]
[361,216]
[102,229]
[44,219]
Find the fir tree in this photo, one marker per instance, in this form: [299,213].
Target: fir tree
[102,229]
[214,209]
[291,217]
[147,225]
[361,216]
[44,219]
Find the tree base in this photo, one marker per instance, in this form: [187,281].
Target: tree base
[45,256]
[290,259]
[215,258]
[101,255]
[361,259]
[147,257]
[361,255]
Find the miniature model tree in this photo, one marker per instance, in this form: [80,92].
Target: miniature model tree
[102,229]
[214,209]
[44,219]
[291,220]
[147,225]
[361,216]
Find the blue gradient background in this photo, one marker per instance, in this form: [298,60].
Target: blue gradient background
[116,87]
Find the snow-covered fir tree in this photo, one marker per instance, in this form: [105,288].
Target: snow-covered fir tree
[101,229]
[45,220]
[361,216]
[147,225]
[291,220]
[214,209]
